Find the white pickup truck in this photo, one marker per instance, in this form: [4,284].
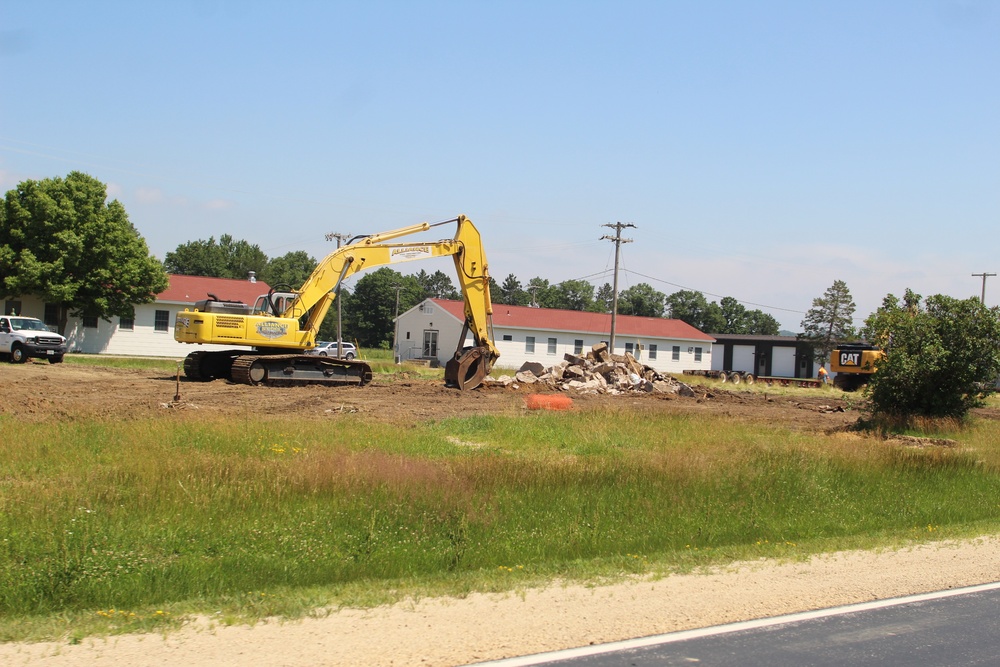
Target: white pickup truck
[22,338]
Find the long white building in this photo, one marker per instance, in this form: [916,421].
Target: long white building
[430,330]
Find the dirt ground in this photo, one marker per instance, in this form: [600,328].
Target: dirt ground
[40,391]
[478,627]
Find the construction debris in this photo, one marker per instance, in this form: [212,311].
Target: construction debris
[599,372]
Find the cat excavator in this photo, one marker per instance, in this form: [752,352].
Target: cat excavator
[282,325]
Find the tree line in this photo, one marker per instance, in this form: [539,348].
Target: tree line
[62,241]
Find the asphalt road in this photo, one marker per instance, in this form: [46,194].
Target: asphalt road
[958,628]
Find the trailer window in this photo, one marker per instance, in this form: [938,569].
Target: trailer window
[675,353]
[529,344]
[697,354]
[652,352]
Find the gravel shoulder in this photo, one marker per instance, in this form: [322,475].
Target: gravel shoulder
[450,631]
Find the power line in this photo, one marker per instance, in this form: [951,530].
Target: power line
[719,296]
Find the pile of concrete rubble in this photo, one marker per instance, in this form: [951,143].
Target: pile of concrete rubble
[599,372]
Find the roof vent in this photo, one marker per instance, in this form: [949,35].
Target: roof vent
[252,276]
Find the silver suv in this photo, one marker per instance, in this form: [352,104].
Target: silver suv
[22,338]
[325,349]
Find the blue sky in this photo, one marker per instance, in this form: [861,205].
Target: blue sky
[761,149]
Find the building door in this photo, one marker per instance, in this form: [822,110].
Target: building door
[430,344]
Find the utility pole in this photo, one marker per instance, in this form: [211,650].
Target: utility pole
[340,344]
[617,238]
[395,328]
[982,299]
[533,289]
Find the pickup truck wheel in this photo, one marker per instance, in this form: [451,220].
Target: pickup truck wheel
[56,359]
[17,355]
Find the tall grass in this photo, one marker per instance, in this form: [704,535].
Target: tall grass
[99,515]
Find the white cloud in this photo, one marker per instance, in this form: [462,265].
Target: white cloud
[219,204]
[146,195]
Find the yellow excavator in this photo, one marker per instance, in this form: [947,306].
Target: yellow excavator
[282,326]
[854,364]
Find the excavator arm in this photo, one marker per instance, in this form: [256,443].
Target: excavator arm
[297,325]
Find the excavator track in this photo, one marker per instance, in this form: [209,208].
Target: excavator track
[283,370]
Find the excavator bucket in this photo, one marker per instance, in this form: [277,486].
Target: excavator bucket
[467,369]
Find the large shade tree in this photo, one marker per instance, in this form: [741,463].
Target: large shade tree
[226,258]
[62,241]
[292,269]
[642,300]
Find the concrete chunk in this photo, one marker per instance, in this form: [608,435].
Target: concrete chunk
[533,367]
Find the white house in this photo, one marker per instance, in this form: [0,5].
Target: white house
[150,333]
[430,330]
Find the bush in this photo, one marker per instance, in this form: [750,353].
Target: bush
[942,357]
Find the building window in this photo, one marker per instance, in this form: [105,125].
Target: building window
[508,337]
[552,345]
[90,321]
[161,320]
[126,323]
[51,317]
[407,335]
[675,353]
[652,352]
[578,346]
[529,344]
[697,354]
[12,308]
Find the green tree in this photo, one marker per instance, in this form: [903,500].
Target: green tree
[227,258]
[642,300]
[759,323]
[573,295]
[603,299]
[62,241]
[713,319]
[735,314]
[437,285]
[513,293]
[540,293]
[293,268]
[688,306]
[830,321]
[940,357]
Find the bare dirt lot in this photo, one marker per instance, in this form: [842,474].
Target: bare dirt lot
[68,391]
[478,627]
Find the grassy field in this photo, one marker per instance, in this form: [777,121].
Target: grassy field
[106,527]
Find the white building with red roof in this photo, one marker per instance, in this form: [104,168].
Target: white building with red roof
[430,330]
[150,333]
